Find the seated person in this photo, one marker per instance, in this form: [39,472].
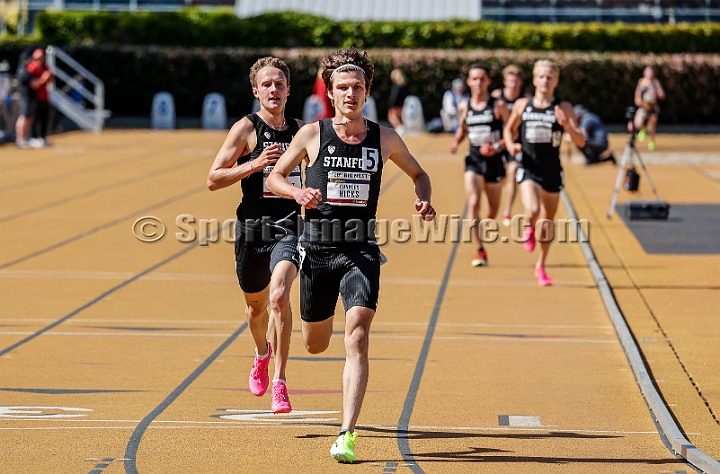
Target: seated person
[596,137]
[451,99]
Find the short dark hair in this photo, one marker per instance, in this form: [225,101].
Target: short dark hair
[482,66]
[342,57]
[268,61]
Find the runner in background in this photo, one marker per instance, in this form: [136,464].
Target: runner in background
[481,119]
[647,94]
[541,121]
[510,93]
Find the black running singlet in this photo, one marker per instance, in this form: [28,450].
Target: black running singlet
[483,126]
[348,176]
[258,201]
[508,102]
[540,135]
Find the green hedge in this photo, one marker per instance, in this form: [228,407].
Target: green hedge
[220,28]
[603,82]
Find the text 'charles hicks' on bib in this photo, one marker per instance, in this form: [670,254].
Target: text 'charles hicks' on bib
[348,188]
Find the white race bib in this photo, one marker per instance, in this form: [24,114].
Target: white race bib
[295,179]
[479,134]
[348,188]
[538,132]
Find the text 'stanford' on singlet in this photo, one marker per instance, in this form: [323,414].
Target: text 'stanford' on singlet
[258,201]
[541,135]
[348,176]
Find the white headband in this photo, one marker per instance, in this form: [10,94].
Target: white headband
[347,67]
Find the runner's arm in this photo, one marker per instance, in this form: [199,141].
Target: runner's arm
[223,172]
[638,94]
[512,124]
[397,152]
[660,90]
[305,143]
[568,120]
[461,131]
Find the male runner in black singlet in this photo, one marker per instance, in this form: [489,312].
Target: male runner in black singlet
[481,119]
[541,120]
[510,92]
[344,159]
[266,255]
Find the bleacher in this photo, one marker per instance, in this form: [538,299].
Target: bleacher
[636,11]
[642,11]
[124,5]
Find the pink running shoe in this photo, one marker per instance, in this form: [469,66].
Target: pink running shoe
[259,379]
[529,239]
[280,401]
[543,279]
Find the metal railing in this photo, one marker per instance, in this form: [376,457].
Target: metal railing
[75,77]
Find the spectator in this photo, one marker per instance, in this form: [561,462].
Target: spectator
[27,103]
[451,99]
[398,93]
[317,105]
[42,77]
[596,137]
[4,95]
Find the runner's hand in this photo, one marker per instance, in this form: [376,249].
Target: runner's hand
[560,116]
[425,209]
[514,148]
[308,197]
[269,156]
[453,147]
[486,149]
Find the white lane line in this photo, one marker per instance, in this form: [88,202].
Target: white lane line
[178,424]
[481,338]
[211,277]
[540,326]
[375,323]
[126,321]
[522,283]
[103,275]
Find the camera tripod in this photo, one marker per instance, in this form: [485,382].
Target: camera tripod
[630,150]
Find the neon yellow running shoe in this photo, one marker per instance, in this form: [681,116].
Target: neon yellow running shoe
[651,145]
[343,449]
[642,134]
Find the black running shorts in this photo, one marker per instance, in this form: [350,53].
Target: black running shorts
[492,169]
[255,260]
[550,181]
[353,271]
[508,158]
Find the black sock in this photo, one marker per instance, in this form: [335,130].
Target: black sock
[342,432]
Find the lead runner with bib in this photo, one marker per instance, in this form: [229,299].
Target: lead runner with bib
[541,121]
[344,158]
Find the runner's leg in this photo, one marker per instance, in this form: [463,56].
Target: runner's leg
[280,325]
[494,193]
[316,335]
[256,314]
[473,192]
[511,187]
[355,373]
[548,209]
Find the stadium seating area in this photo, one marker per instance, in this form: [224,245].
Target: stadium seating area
[601,10]
[641,11]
